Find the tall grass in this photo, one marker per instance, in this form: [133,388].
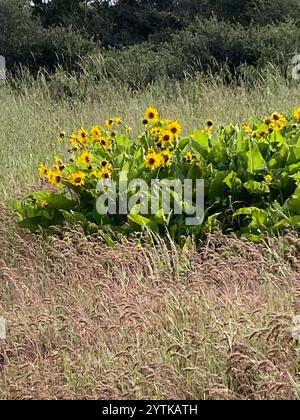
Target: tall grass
[130,322]
[33,112]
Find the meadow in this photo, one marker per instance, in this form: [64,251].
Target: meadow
[135,321]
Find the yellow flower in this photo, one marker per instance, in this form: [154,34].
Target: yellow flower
[297,114]
[118,120]
[106,169]
[96,133]
[166,138]
[83,137]
[268,179]
[152,160]
[106,173]
[85,159]
[166,158]
[155,131]
[77,178]
[109,124]
[278,121]
[42,171]
[59,163]
[175,128]
[207,130]
[96,174]
[151,115]
[189,156]
[43,203]
[128,129]
[55,177]
[106,166]
[74,141]
[247,128]
[260,134]
[105,143]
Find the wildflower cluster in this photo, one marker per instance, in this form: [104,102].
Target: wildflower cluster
[251,174]
[90,151]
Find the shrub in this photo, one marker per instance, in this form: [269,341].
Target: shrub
[24,42]
[251,176]
[204,46]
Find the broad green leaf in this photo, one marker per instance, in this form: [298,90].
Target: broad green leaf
[255,160]
[123,141]
[259,217]
[212,222]
[142,220]
[255,187]
[293,203]
[201,138]
[55,201]
[36,223]
[233,182]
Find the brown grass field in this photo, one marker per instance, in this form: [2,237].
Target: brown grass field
[135,321]
[148,322]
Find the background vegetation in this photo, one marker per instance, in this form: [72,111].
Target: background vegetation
[170,38]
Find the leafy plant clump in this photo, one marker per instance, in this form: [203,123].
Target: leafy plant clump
[251,175]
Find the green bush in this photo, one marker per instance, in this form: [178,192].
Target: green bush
[204,46]
[24,41]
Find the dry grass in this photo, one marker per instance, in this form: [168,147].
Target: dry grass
[132,322]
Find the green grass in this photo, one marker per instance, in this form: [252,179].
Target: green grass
[89,321]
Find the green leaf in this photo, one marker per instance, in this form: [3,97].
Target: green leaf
[232,181]
[201,138]
[255,160]
[36,223]
[255,187]
[259,217]
[55,201]
[123,141]
[142,220]
[212,222]
[73,217]
[184,141]
[293,221]
[293,203]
